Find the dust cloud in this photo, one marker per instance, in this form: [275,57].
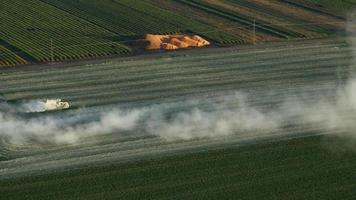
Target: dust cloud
[230,115]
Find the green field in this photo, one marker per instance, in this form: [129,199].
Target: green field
[295,169]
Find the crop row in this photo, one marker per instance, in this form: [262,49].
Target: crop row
[40,23]
[8,58]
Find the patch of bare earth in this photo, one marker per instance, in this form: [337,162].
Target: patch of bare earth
[313,18]
[262,17]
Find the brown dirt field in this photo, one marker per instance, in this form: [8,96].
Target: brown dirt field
[300,13]
[262,17]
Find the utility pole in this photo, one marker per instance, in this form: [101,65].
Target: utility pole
[254,31]
[52,53]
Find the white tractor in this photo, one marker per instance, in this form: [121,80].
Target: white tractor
[55,104]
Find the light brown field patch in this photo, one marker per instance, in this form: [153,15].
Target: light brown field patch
[172,42]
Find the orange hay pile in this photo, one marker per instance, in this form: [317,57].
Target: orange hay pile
[172,42]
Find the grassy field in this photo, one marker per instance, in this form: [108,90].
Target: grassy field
[304,168]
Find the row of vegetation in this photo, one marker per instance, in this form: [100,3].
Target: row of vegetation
[8,58]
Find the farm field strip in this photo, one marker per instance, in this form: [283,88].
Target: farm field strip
[78,73]
[129,143]
[274,20]
[169,84]
[157,98]
[340,7]
[135,95]
[130,151]
[18,159]
[181,77]
[229,172]
[166,65]
[309,31]
[234,16]
[318,19]
[227,70]
[306,46]
[264,17]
